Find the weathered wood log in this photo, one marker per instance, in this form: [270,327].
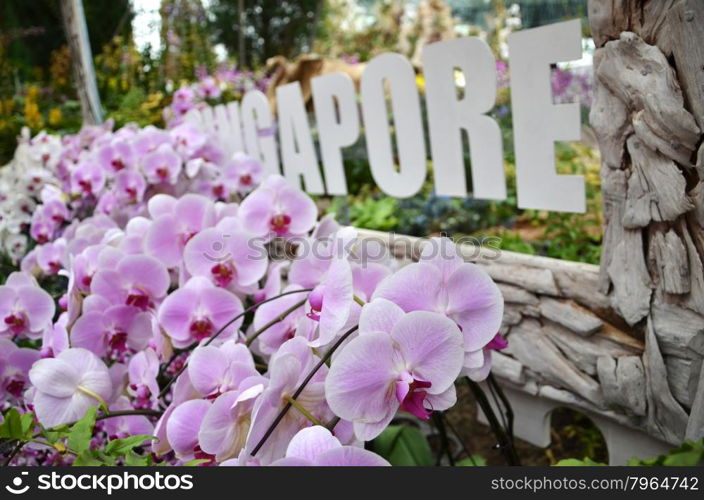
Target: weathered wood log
[680,332]
[516,295]
[570,315]
[584,352]
[623,383]
[533,349]
[665,415]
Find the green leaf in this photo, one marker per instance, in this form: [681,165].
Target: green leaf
[473,461]
[27,421]
[403,445]
[120,447]
[82,431]
[575,462]
[685,458]
[12,426]
[134,459]
[196,461]
[87,458]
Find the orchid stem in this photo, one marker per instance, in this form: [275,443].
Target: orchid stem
[274,321]
[95,396]
[331,425]
[303,385]
[222,329]
[303,411]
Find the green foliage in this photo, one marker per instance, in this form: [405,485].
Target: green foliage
[17,426]
[472,461]
[403,445]
[575,462]
[81,432]
[687,454]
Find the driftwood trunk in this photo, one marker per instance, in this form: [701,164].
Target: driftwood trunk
[81,60]
[648,116]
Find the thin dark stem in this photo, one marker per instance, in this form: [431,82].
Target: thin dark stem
[274,321]
[505,401]
[504,443]
[438,420]
[222,329]
[303,385]
[13,453]
[126,413]
[461,441]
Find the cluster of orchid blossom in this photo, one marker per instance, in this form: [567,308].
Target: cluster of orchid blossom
[178,321]
[227,81]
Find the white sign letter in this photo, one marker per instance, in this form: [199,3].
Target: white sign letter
[447,116]
[538,123]
[259,130]
[337,117]
[297,151]
[398,74]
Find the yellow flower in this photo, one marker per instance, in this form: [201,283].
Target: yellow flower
[420,82]
[55,117]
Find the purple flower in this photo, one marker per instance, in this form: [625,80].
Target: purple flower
[15,363]
[216,370]
[442,282]
[129,187]
[198,310]
[278,209]
[316,446]
[116,156]
[182,428]
[273,337]
[142,372]
[25,309]
[187,139]
[208,88]
[227,255]
[67,385]
[88,179]
[127,425]
[398,361]
[243,173]
[112,332]
[287,369]
[175,223]
[162,166]
[137,280]
[223,431]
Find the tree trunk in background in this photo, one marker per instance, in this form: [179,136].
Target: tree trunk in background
[648,116]
[240,32]
[82,60]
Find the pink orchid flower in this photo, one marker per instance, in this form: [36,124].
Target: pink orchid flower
[129,186]
[316,446]
[15,363]
[25,309]
[278,209]
[442,282]
[113,332]
[271,339]
[197,310]
[243,173]
[287,369]
[127,425]
[116,156]
[137,280]
[182,429]
[162,166]
[224,429]
[228,256]
[67,385]
[142,371]
[215,370]
[175,223]
[399,361]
